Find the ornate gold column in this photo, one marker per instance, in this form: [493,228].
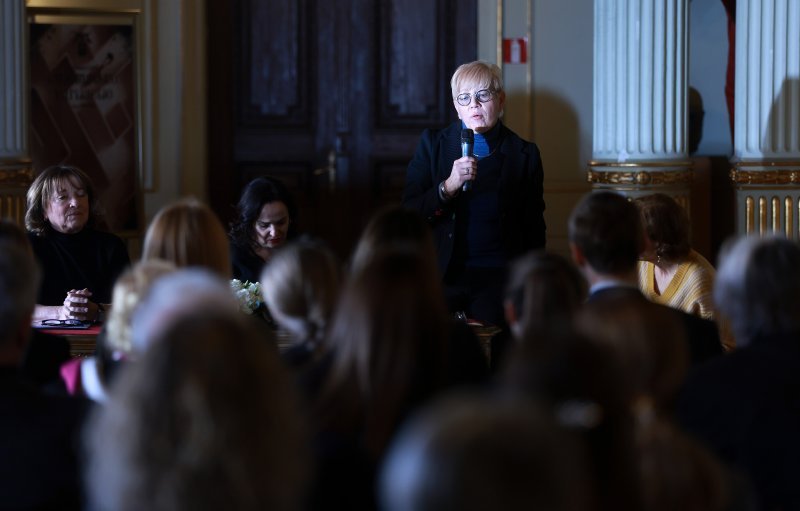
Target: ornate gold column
[15,163]
[640,105]
[766,152]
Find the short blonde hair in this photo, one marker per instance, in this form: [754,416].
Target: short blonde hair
[481,74]
[188,233]
[129,289]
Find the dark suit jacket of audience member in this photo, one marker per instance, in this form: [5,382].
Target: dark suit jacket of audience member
[701,334]
[39,446]
[745,406]
[41,364]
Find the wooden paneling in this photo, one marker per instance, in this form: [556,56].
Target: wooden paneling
[357,80]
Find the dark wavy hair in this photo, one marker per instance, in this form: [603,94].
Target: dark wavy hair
[667,225]
[261,190]
[45,186]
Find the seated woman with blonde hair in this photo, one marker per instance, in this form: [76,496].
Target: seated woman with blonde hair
[188,233]
[90,376]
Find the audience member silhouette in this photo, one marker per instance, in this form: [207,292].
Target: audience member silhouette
[188,233]
[744,405]
[39,460]
[300,287]
[91,376]
[393,348]
[476,453]
[543,292]
[44,353]
[606,238]
[205,420]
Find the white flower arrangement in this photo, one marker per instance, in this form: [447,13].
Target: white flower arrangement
[249,295]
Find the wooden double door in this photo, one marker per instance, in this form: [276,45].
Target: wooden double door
[330,97]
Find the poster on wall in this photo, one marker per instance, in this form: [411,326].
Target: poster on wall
[84,106]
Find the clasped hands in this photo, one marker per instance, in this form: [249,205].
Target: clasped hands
[464,169]
[78,306]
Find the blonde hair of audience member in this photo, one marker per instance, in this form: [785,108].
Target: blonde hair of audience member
[543,292]
[474,453]
[129,290]
[391,226]
[389,337]
[300,286]
[188,233]
[185,292]
[206,420]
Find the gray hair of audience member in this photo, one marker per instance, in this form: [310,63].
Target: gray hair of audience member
[544,290]
[757,286]
[208,419]
[300,286]
[19,283]
[185,292]
[475,453]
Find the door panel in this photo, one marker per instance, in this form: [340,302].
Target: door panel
[298,88]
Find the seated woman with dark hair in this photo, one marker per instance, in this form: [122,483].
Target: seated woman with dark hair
[80,262]
[670,272]
[266,219]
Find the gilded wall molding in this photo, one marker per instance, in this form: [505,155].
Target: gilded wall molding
[641,173]
[16,173]
[765,173]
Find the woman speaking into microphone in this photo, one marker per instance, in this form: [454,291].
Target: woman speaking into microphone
[499,215]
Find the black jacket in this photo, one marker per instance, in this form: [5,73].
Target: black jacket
[520,191]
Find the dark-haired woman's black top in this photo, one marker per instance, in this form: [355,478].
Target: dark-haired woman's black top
[88,259]
[245,263]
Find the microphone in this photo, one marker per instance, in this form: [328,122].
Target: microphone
[467,143]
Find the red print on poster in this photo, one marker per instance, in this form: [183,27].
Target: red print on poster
[83,110]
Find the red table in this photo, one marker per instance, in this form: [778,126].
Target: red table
[81,341]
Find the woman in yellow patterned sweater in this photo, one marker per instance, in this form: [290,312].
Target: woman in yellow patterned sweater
[670,272]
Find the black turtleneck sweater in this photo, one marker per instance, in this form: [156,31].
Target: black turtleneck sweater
[89,259]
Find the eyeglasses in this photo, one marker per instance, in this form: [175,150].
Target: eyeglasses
[483,95]
[63,322]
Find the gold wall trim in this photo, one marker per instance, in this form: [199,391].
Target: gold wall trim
[641,164]
[765,177]
[16,177]
[641,177]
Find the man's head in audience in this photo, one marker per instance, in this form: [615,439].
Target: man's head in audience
[757,287]
[19,282]
[605,237]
